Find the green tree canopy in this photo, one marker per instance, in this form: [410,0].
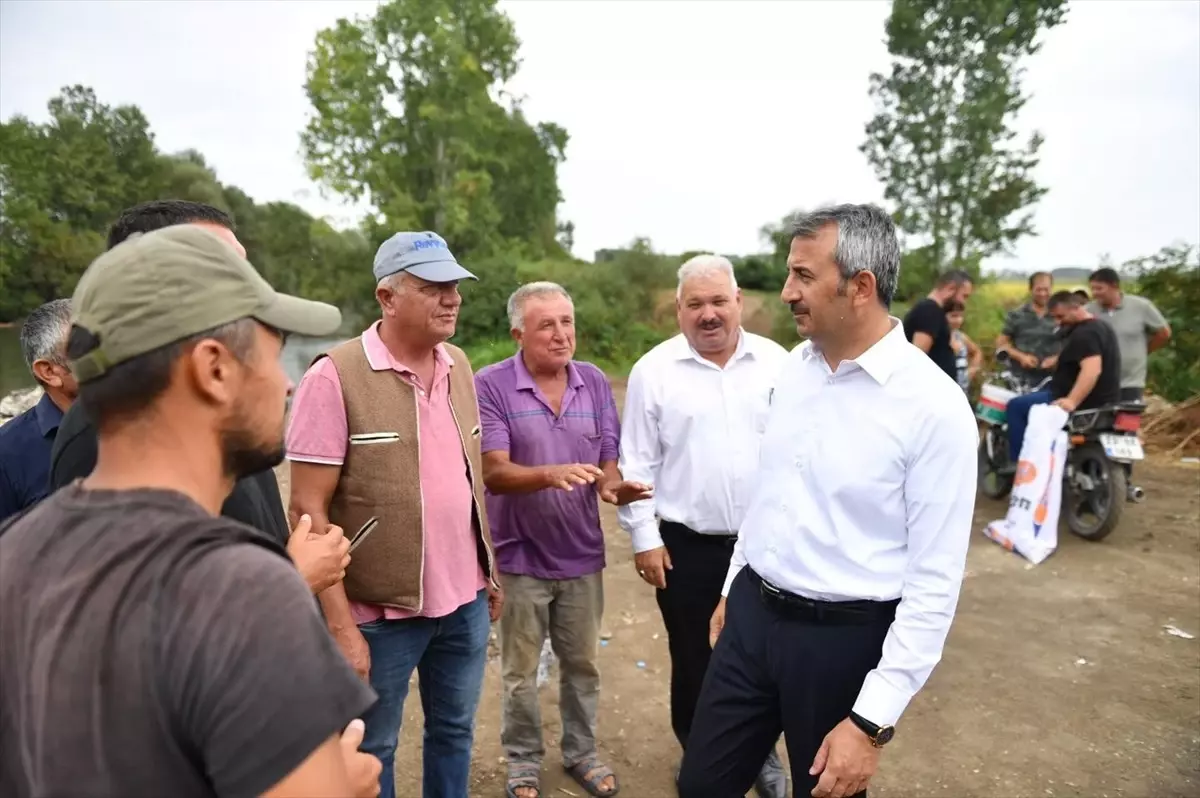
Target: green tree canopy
[942,138]
[407,116]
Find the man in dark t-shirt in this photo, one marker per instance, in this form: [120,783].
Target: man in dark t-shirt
[1087,373]
[926,326]
[148,645]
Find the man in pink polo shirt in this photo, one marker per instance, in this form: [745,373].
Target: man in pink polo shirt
[385,430]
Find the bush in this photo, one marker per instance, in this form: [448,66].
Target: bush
[1171,280]
[614,305]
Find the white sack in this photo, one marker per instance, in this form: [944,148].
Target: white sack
[1031,527]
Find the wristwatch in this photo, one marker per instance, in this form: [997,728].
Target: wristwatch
[878,735]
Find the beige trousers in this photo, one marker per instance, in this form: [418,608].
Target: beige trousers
[569,610]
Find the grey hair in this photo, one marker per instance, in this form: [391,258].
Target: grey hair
[516,302]
[702,266]
[866,242]
[44,333]
[392,281]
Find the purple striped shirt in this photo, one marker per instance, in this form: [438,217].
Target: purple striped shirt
[551,533]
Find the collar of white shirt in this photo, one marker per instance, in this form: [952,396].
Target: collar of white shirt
[682,350]
[880,361]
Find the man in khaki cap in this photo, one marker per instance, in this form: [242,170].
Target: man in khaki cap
[150,646]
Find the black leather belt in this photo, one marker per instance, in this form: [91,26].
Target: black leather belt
[832,613]
[726,539]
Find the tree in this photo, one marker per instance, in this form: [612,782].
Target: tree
[406,117]
[64,182]
[61,184]
[942,138]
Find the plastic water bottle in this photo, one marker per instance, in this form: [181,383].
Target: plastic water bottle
[545,662]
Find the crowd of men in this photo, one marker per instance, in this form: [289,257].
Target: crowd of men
[158,627]
[1072,350]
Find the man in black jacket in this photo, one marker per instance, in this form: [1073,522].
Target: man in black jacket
[255,500]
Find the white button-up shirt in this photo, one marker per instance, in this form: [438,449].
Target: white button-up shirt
[692,430]
[866,491]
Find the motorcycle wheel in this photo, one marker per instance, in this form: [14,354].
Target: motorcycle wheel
[992,483]
[1106,499]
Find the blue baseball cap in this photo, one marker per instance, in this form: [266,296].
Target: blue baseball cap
[424,255]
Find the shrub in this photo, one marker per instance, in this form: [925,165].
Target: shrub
[1171,280]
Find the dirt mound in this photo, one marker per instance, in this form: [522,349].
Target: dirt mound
[1172,429]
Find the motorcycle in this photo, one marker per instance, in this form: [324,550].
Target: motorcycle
[1103,445]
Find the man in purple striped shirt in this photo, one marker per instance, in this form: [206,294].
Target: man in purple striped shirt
[550,438]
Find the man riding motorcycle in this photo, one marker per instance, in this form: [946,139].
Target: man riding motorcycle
[1086,375]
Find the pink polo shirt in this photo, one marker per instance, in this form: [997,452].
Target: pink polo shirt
[317,433]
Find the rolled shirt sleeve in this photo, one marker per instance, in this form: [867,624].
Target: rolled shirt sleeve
[939,494]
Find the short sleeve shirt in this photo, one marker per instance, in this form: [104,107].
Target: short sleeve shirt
[550,533]
[1134,319]
[1032,334]
[318,432]
[928,317]
[1084,340]
[149,648]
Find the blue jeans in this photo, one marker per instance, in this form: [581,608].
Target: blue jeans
[1018,419]
[449,654]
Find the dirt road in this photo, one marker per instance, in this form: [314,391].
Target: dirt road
[1058,680]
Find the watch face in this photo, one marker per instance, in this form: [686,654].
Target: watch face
[885,735]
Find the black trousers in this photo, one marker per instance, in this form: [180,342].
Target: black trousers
[774,672]
[699,565]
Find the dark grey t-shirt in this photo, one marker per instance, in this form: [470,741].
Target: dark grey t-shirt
[148,648]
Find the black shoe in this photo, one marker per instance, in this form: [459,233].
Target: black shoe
[772,781]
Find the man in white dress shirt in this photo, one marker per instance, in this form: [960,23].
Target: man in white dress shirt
[695,410]
[847,568]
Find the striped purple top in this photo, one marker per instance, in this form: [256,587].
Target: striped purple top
[551,533]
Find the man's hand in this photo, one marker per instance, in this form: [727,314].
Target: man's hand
[320,558]
[846,762]
[363,769]
[1066,403]
[1026,360]
[652,566]
[354,648]
[566,477]
[495,602]
[624,492]
[716,623]
[1050,363]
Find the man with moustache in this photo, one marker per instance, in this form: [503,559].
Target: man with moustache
[926,326]
[695,410]
[148,645]
[255,499]
[1030,334]
[385,428]
[847,568]
[550,438]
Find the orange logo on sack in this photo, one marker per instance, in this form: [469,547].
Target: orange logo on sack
[1026,473]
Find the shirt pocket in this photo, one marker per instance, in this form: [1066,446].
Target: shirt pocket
[373,438]
[588,447]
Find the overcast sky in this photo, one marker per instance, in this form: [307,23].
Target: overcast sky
[692,123]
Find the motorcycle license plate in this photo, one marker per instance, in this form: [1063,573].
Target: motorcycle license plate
[1122,447]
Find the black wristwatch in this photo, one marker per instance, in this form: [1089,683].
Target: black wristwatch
[878,735]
